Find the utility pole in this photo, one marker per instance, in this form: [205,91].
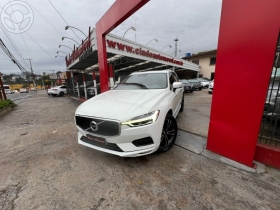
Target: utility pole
[176,40]
[135,28]
[32,74]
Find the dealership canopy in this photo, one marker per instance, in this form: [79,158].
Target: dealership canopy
[124,55]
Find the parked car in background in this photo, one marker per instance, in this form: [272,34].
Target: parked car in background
[188,87]
[275,74]
[136,118]
[196,84]
[211,87]
[32,89]
[272,103]
[8,91]
[90,89]
[23,90]
[57,91]
[205,83]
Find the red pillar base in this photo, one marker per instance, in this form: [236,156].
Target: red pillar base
[268,155]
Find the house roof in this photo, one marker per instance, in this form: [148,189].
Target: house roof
[202,54]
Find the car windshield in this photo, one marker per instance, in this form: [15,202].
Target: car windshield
[144,81]
[184,81]
[193,80]
[202,80]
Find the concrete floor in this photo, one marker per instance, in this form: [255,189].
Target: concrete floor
[196,115]
[43,167]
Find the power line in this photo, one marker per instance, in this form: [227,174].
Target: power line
[64,20]
[45,18]
[43,49]
[11,43]
[10,55]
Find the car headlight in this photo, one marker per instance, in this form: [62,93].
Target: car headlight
[145,119]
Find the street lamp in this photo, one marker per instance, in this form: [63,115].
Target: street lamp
[59,56]
[165,47]
[62,52]
[69,38]
[175,51]
[151,40]
[128,30]
[65,46]
[66,27]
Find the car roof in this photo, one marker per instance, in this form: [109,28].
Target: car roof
[153,72]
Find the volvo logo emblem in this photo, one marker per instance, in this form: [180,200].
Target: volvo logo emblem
[94,125]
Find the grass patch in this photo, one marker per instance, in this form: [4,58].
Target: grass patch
[6,103]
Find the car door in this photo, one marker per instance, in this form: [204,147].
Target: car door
[63,88]
[176,95]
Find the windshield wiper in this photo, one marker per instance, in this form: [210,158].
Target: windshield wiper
[138,84]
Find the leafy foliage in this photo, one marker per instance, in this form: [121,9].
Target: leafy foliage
[6,103]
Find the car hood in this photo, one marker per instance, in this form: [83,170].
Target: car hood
[121,105]
[187,84]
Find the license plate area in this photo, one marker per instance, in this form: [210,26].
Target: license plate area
[96,139]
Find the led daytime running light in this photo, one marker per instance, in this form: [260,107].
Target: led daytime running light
[143,119]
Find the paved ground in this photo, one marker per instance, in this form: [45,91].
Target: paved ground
[196,115]
[43,167]
[19,97]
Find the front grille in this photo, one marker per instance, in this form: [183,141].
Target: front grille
[105,127]
[110,146]
[143,142]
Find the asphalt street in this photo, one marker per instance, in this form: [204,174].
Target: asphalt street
[19,97]
[43,167]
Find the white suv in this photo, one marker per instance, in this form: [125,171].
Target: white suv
[136,118]
[57,91]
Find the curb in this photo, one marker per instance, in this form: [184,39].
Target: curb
[5,110]
[197,145]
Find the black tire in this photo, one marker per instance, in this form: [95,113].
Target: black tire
[53,95]
[209,92]
[200,88]
[182,104]
[61,94]
[191,91]
[169,134]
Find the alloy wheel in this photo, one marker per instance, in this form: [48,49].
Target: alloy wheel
[168,133]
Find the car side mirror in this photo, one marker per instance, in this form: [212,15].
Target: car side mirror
[177,85]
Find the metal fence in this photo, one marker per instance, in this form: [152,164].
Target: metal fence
[270,127]
[75,86]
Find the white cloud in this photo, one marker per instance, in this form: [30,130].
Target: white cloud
[195,23]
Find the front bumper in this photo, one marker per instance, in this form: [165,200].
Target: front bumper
[127,136]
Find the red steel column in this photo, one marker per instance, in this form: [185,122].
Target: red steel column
[117,13]
[247,42]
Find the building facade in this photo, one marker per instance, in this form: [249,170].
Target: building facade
[206,61]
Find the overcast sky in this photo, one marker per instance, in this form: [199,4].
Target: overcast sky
[195,23]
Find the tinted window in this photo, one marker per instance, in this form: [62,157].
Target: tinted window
[144,81]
